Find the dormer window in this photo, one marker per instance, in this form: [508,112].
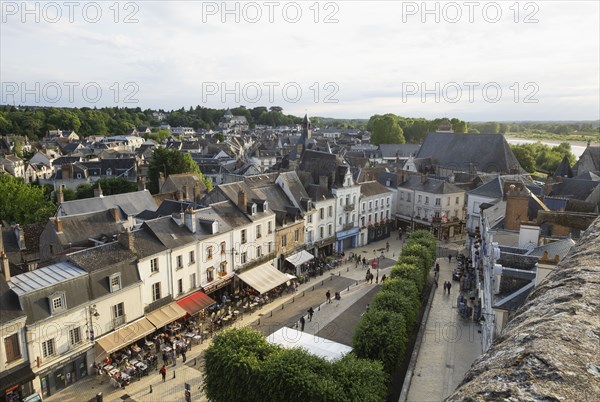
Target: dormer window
[266,206]
[109,172]
[58,303]
[115,282]
[253,209]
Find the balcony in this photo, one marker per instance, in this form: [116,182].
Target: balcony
[118,321]
[348,226]
[349,207]
[256,262]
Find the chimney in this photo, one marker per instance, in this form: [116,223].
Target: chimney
[184,190]
[424,178]
[556,259]
[242,200]
[161,181]
[189,219]
[116,214]
[517,208]
[60,196]
[59,225]
[98,191]
[141,183]
[179,195]
[197,192]
[5,266]
[545,256]
[126,240]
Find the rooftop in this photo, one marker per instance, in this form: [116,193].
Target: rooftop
[43,277]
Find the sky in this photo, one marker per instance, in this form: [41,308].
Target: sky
[474,60]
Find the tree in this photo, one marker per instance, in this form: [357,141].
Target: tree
[171,161]
[386,130]
[23,203]
[397,302]
[523,155]
[109,185]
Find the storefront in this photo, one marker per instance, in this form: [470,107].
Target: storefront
[324,247]
[219,287]
[122,337]
[16,384]
[63,375]
[346,239]
[379,231]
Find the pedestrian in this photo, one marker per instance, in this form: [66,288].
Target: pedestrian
[449,286]
[337,296]
[165,358]
[437,267]
[328,296]
[387,246]
[183,354]
[368,306]
[310,313]
[163,372]
[449,258]
[371,278]
[302,322]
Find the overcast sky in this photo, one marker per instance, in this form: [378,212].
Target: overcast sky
[350,59]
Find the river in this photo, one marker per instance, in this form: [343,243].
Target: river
[577,150]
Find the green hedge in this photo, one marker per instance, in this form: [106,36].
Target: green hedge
[382,334]
[242,366]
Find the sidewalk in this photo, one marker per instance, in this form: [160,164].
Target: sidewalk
[343,278]
[450,344]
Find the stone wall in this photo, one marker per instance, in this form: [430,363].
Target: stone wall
[550,350]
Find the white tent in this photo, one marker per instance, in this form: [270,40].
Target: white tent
[292,338]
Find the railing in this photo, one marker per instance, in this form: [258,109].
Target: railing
[118,321]
[349,207]
[348,226]
[256,262]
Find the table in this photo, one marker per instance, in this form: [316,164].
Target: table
[136,349]
[149,344]
[197,338]
[165,348]
[190,335]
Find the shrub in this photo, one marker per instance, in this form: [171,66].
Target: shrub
[398,303]
[409,272]
[401,285]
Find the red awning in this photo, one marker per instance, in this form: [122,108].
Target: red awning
[195,302]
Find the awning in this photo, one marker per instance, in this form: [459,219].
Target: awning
[263,278]
[300,258]
[15,378]
[165,315]
[125,335]
[195,302]
[218,283]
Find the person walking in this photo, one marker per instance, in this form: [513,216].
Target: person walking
[383,278]
[302,322]
[163,372]
[165,358]
[449,286]
[310,313]
[183,354]
[328,296]
[449,258]
[387,246]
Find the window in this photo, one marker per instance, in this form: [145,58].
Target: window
[258,235]
[330,211]
[192,281]
[387,214]
[321,232]
[109,172]
[420,199]
[402,195]
[340,221]
[269,228]
[329,229]
[457,200]
[179,261]
[244,239]
[408,197]
[309,219]
[210,276]
[447,201]
[118,310]
[115,282]
[370,205]
[48,348]
[363,206]
[209,253]
[154,265]
[223,247]
[322,213]
[179,286]
[388,201]
[438,201]
[244,257]
[426,200]
[192,257]
[253,209]
[12,347]
[375,204]
[283,240]
[156,291]
[75,335]
[57,302]
[223,268]
[341,202]
[258,251]
[437,214]
[297,235]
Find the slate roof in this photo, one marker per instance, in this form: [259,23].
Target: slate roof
[564,168]
[10,309]
[574,189]
[169,233]
[398,150]
[491,189]
[318,193]
[78,228]
[487,152]
[559,247]
[432,186]
[176,182]
[230,213]
[373,188]
[130,203]
[593,176]
[34,288]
